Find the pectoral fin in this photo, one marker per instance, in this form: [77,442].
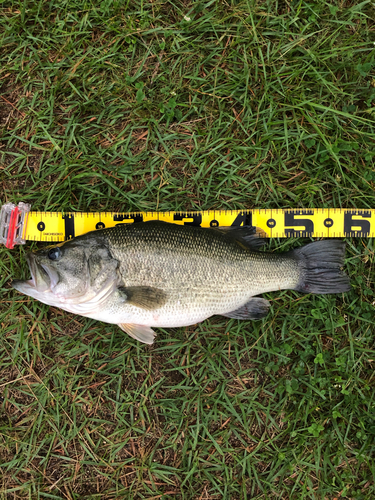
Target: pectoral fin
[146,297]
[255,309]
[139,332]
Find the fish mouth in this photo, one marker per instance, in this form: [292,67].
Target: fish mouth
[30,259]
[43,278]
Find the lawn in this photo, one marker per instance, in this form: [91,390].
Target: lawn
[161,105]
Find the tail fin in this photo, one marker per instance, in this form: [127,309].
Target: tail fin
[320,264]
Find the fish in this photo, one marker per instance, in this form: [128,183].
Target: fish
[156,274]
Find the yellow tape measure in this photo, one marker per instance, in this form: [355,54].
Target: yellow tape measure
[328,223]
[18,224]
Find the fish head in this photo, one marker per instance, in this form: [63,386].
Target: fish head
[69,273]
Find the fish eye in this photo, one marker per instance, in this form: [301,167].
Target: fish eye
[54,253]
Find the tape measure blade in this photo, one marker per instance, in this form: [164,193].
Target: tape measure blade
[316,222]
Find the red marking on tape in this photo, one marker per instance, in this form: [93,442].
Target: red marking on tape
[12,227]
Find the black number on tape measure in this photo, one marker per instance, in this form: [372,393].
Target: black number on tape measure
[121,217]
[41,226]
[271,223]
[351,225]
[214,223]
[69,226]
[100,225]
[291,221]
[328,222]
[197,218]
[244,218]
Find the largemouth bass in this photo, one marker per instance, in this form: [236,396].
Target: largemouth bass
[155,274]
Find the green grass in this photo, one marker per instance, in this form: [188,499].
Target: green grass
[128,106]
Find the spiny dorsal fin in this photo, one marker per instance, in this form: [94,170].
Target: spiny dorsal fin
[146,297]
[251,236]
[139,332]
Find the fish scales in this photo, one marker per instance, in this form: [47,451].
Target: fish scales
[204,272]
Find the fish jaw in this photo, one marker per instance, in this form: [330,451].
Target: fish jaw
[29,288]
[39,283]
[26,287]
[42,282]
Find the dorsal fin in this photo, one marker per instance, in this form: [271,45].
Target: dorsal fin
[251,236]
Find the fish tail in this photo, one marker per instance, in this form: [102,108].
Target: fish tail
[320,265]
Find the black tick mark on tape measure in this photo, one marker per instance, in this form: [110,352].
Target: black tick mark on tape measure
[244,218]
[271,223]
[197,218]
[129,217]
[100,225]
[41,226]
[214,223]
[328,222]
[291,222]
[351,224]
[69,226]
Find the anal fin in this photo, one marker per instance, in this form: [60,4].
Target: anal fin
[144,334]
[256,308]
